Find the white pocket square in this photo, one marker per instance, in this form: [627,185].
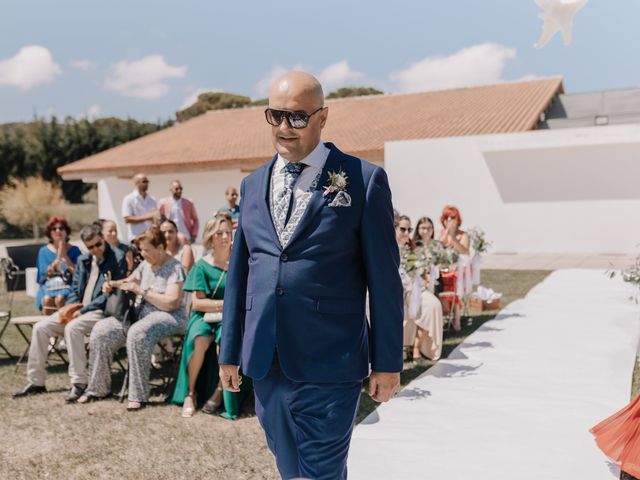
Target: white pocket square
[342,199]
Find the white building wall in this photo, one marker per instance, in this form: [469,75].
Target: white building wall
[205,189]
[567,191]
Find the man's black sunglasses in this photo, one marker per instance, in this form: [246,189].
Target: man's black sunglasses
[297,119]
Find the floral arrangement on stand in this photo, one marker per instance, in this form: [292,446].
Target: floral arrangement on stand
[631,275]
[414,264]
[480,245]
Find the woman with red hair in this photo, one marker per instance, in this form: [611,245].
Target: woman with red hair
[56,265]
[452,236]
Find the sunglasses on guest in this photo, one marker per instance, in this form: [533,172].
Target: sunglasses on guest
[98,244]
[405,229]
[58,228]
[295,119]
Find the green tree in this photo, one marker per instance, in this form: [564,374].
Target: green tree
[212,101]
[40,147]
[354,92]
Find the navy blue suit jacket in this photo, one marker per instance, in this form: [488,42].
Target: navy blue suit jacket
[308,299]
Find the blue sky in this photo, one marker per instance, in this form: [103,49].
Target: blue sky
[146,59]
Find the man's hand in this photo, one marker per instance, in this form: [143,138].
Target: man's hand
[383,385]
[229,377]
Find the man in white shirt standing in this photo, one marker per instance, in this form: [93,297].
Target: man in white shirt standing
[139,208]
[181,210]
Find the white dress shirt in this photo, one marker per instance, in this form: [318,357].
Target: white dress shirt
[91,283]
[302,189]
[177,215]
[134,205]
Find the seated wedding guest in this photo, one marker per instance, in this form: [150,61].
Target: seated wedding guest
[75,320]
[180,251]
[158,284]
[452,236]
[226,215]
[160,219]
[405,244]
[198,376]
[56,265]
[110,234]
[181,210]
[429,321]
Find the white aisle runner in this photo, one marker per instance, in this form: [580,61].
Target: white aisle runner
[516,400]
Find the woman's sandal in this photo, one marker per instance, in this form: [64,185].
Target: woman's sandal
[135,406]
[88,398]
[187,412]
[210,407]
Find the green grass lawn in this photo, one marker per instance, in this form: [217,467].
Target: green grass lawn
[42,437]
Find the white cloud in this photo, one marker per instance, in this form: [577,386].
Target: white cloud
[264,84]
[82,64]
[193,97]
[33,65]
[528,77]
[94,112]
[338,75]
[476,65]
[143,78]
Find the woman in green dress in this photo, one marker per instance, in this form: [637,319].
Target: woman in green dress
[198,384]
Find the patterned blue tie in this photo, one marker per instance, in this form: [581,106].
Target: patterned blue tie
[284,202]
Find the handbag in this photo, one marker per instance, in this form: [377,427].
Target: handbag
[214,317]
[121,304]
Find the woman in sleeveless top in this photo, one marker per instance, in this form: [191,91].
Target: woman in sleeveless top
[198,382]
[181,252]
[56,265]
[429,322]
[452,236]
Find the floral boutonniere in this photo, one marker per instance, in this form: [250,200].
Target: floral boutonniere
[338,184]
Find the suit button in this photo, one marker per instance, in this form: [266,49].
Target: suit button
[284,257]
[280,291]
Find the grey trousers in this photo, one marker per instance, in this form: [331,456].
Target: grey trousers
[74,333]
[108,336]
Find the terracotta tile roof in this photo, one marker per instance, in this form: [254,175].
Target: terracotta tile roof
[360,126]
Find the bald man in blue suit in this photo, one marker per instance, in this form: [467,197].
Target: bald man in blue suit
[315,234]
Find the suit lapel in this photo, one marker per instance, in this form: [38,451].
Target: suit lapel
[317,200]
[263,201]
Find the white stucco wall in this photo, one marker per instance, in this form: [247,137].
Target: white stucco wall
[205,189]
[568,191]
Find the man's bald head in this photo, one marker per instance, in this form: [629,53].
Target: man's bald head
[298,84]
[297,92]
[141,182]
